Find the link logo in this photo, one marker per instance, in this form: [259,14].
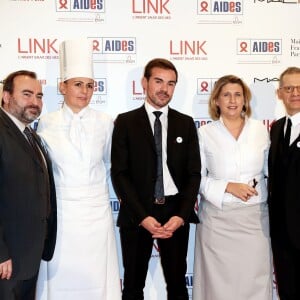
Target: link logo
[150,9]
[33,48]
[188,50]
[95,6]
[212,7]
[259,46]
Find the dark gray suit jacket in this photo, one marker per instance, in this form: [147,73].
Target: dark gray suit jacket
[284,198]
[27,230]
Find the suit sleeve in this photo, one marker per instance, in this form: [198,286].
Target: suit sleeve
[121,172]
[190,189]
[4,255]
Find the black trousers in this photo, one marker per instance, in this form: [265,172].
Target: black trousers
[18,289]
[287,267]
[137,246]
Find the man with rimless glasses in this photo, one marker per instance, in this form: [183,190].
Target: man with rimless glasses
[284,187]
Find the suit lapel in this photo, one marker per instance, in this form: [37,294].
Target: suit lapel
[145,126]
[42,148]
[172,128]
[276,135]
[15,133]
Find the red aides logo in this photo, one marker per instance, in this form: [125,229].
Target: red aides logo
[119,45]
[150,7]
[262,47]
[80,5]
[220,7]
[205,85]
[187,47]
[37,46]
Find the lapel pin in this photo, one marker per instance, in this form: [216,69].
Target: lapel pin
[179,140]
[298,145]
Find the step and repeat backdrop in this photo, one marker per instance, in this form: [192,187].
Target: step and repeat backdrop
[253,39]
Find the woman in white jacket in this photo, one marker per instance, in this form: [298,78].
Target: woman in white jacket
[232,249]
[78,139]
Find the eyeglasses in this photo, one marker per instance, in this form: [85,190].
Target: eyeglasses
[290,88]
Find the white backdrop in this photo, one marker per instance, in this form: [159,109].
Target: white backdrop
[254,39]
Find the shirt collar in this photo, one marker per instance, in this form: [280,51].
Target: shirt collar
[17,122]
[295,119]
[150,109]
[70,114]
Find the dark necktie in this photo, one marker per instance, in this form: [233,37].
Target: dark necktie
[34,145]
[287,136]
[159,184]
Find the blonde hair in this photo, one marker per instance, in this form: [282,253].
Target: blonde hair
[214,110]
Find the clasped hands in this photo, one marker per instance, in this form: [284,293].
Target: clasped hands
[6,269]
[162,231]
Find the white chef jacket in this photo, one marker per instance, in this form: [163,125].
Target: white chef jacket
[73,167]
[225,159]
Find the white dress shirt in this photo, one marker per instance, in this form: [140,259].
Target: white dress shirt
[225,159]
[169,185]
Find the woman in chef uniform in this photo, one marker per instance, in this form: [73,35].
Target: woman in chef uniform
[78,139]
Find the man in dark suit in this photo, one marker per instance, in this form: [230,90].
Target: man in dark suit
[27,195]
[145,213]
[284,189]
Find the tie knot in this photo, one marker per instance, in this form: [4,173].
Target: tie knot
[289,123]
[27,131]
[157,114]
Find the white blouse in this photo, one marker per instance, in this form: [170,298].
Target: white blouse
[225,159]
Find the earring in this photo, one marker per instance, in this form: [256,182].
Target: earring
[243,112]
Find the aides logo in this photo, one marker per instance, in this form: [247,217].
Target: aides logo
[205,85]
[100,92]
[201,122]
[259,46]
[188,50]
[33,48]
[94,6]
[189,283]
[100,86]
[151,9]
[114,49]
[115,205]
[250,48]
[212,7]
[204,88]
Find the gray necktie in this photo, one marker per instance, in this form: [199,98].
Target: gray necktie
[33,144]
[159,184]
